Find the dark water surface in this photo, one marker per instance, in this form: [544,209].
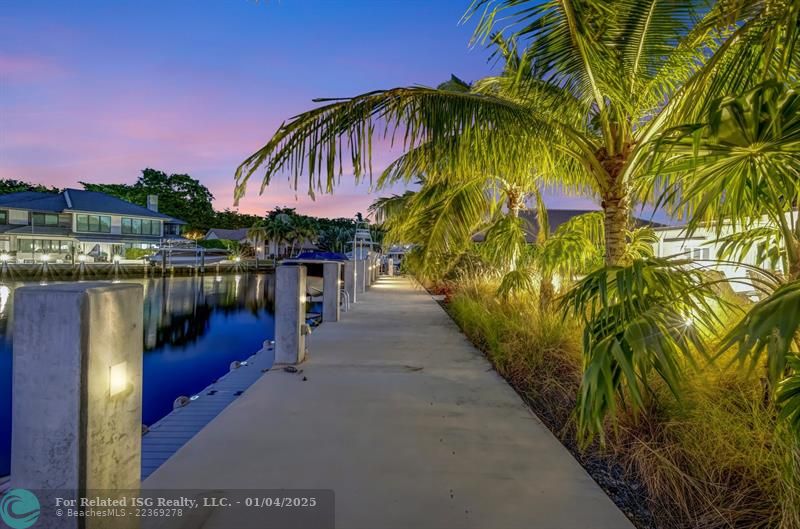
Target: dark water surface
[194,327]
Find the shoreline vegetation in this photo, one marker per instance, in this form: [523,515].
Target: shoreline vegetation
[714,459]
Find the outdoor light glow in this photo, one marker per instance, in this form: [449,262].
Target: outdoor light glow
[82,258]
[118,378]
[45,257]
[117,258]
[237,259]
[689,322]
[4,257]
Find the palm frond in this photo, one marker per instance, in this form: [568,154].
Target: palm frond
[640,320]
[641,244]
[768,332]
[505,242]
[787,396]
[384,209]
[765,239]
[316,141]
[519,281]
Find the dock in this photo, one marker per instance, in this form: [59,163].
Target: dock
[405,420]
[171,432]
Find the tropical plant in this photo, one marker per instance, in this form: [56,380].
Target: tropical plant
[640,320]
[739,168]
[257,234]
[601,79]
[275,230]
[335,238]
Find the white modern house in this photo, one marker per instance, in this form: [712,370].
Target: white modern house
[704,247]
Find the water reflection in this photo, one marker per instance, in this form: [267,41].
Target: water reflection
[194,327]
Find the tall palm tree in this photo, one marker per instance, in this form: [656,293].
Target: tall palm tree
[610,75]
[275,231]
[257,234]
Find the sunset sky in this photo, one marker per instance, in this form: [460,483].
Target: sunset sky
[97,91]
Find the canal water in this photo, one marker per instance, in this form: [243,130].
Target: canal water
[194,327]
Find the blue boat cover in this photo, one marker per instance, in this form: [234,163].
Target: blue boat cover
[322,256]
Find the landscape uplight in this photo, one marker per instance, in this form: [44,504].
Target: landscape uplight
[117,258]
[45,257]
[82,258]
[4,257]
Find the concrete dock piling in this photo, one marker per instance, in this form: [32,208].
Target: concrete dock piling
[77,390]
[331,291]
[362,275]
[350,279]
[290,312]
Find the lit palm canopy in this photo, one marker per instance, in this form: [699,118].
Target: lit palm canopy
[597,82]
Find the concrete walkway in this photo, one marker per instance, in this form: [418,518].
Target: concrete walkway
[406,421]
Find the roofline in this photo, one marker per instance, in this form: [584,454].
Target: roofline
[95,211]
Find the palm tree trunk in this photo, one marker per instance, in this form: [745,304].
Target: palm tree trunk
[616,209]
[546,292]
[793,258]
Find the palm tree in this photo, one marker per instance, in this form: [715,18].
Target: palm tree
[607,77]
[335,238]
[737,167]
[257,234]
[301,228]
[275,230]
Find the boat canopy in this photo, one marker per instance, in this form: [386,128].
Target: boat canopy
[320,256]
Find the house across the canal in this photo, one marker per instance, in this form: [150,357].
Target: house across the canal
[61,227]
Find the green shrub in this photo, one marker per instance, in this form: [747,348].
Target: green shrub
[219,244]
[137,253]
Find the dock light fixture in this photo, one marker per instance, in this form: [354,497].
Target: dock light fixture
[5,257]
[237,259]
[118,378]
[82,258]
[45,257]
[117,258]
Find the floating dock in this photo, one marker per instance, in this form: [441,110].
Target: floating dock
[170,433]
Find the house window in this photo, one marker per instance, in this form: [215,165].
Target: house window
[172,229]
[44,219]
[3,217]
[140,226]
[93,223]
[44,246]
[699,254]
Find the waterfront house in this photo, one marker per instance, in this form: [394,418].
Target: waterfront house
[77,224]
[704,248]
[262,248]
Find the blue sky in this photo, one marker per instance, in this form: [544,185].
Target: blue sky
[97,91]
